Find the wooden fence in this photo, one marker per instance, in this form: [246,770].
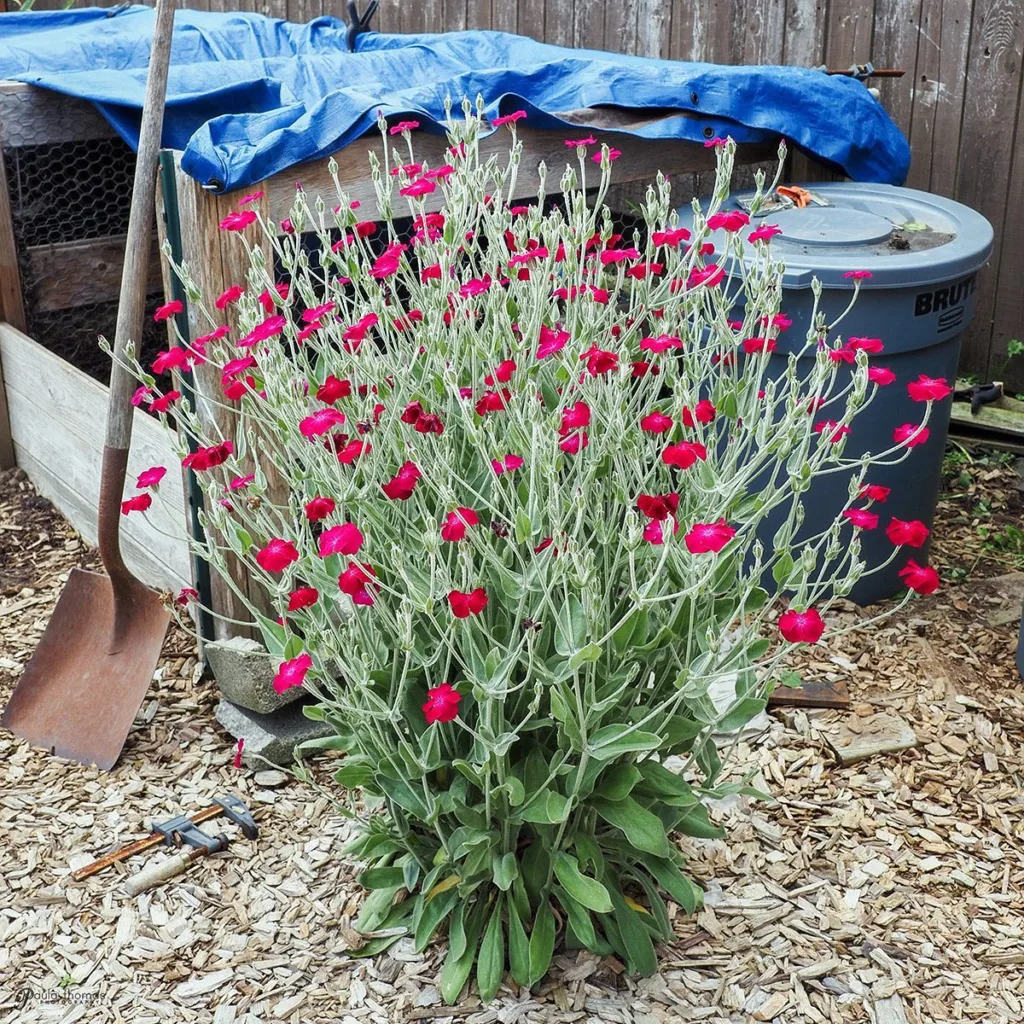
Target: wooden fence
[959,103]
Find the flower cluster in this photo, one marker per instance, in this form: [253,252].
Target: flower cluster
[506,479]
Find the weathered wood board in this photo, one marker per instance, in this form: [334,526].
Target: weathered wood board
[57,417]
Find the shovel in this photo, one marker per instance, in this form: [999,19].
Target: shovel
[85,683]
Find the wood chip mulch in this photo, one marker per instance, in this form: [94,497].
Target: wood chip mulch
[890,890]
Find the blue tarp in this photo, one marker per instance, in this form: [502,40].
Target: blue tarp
[249,96]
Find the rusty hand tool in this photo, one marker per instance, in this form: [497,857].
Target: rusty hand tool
[180,831]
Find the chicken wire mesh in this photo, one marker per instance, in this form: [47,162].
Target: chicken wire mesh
[69,184]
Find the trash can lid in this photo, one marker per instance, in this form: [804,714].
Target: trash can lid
[903,236]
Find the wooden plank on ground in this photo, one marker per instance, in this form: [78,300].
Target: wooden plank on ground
[69,274]
[987,150]
[816,693]
[57,422]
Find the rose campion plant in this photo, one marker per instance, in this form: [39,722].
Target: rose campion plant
[502,477]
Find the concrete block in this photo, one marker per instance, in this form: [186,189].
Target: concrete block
[270,737]
[245,675]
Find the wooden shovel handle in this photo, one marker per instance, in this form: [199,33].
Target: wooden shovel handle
[131,310]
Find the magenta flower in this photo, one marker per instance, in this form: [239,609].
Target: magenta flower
[801,627]
[345,539]
[703,413]
[873,346]
[168,310]
[710,276]
[502,373]
[137,504]
[880,375]
[208,458]
[238,221]
[929,389]
[356,581]
[276,555]
[610,256]
[875,492]
[453,529]
[588,141]
[861,518]
[321,422]
[765,233]
[859,275]
[332,390]
[151,477]
[730,220]
[403,483]
[172,359]
[674,237]
[922,579]
[273,325]
[552,340]
[164,402]
[304,597]
[684,454]
[658,506]
[465,604]
[442,704]
[654,532]
[575,417]
[475,286]
[492,401]
[656,423]
[911,434]
[507,464]
[661,343]
[831,430]
[599,361]
[229,295]
[910,532]
[516,115]
[403,126]
[319,508]
[292,673]
[752,346]
[575,442]
[419,187]
[704,538]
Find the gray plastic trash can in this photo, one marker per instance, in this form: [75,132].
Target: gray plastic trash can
[924,253]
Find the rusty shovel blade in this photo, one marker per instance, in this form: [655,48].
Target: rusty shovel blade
[83,687]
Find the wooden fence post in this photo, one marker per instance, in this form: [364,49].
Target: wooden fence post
[215,260]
